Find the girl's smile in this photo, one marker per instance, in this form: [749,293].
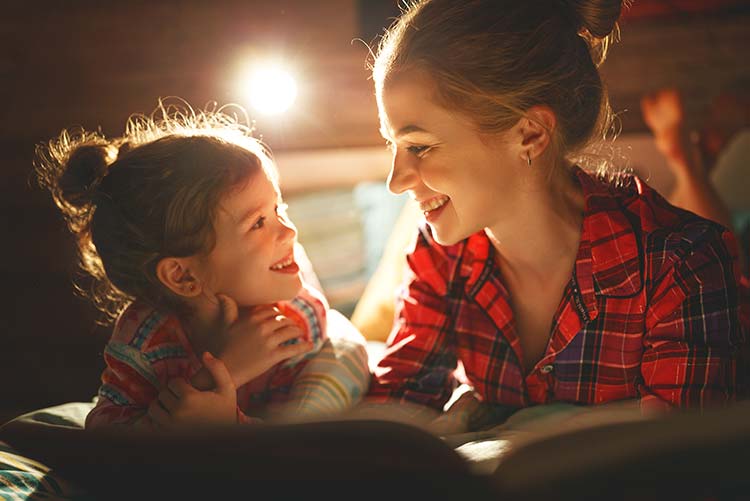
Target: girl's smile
[253,258]
[286,265]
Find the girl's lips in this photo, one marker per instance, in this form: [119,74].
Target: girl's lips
[282,264]
[291,269]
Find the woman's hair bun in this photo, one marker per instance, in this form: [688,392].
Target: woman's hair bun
[598,17]
[86,166]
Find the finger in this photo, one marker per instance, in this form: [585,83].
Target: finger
[288,351]
[220,373]
[285,334]
[179,387]
[229,310]
[280,322]
[263,313]
[167,399]
[158,414]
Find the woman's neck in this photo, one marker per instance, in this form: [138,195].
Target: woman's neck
[545,230]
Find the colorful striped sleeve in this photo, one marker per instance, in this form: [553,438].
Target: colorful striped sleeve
[334,379]
[142,354]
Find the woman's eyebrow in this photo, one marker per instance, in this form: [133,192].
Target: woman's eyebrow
[403,131]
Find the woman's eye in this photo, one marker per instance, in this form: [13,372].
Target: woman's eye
[417,150]
[259,223]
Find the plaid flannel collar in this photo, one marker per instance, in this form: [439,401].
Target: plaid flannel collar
[609,260]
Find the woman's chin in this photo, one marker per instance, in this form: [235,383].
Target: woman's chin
[446,237]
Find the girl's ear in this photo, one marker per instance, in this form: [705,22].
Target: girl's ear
[536,130]
[175,274]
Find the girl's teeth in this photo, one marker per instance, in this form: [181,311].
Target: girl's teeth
[434,203]
[283,264]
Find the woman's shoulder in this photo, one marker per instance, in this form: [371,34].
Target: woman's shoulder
[666,232]
[142,326]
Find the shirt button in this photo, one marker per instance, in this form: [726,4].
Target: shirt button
[546,369]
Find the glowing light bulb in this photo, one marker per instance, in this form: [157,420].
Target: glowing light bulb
[271,90]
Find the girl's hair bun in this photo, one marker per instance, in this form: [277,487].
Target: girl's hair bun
[598,17]
[86,166]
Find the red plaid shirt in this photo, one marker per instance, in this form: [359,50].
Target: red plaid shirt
[651,312]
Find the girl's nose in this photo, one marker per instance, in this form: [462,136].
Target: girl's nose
[402,176]
[287,230]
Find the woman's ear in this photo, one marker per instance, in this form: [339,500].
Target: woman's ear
[175,274]
[537,128]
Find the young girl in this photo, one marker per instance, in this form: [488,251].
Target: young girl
[181,225]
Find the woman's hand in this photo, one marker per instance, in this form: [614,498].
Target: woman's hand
[254,340]
[179,403]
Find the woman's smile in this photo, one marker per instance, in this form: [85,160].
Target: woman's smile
[433,207]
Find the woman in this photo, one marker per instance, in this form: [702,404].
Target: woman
[538,280]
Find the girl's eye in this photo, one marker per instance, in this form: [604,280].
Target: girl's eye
[259,223]
[281,209]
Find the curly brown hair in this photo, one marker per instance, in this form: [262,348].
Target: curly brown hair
[150,193]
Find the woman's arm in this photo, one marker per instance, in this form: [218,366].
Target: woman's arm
[420,360]
[693,329]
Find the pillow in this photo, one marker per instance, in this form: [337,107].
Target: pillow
[374,313]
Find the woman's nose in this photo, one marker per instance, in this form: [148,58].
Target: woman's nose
[402,175]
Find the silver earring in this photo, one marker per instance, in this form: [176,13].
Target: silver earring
[528,158]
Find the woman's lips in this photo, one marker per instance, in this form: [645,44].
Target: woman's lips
[433,207]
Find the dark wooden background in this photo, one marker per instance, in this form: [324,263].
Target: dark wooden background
[92,63]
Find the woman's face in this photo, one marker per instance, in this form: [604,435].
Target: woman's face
[463,181]
[253,259]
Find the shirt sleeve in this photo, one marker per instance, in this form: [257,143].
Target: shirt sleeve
[420,359]
[693,329]
[335,378]
[309,310]
[143,354]
[128,385]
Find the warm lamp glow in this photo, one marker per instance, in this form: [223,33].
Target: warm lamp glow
[271,90]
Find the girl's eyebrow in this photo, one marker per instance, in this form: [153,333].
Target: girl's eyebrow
[251,214]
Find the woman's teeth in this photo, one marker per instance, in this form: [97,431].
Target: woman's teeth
[433,203]
[283,264]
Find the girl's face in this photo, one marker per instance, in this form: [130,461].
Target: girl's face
[253,259]
[462,181]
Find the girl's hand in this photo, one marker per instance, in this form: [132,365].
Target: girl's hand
[254,340]
[179,404]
